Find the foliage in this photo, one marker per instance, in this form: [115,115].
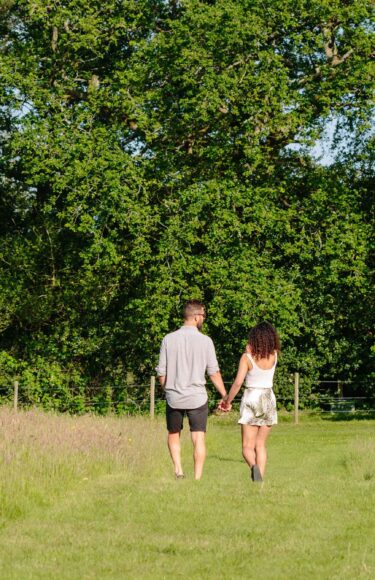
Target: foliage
[157,150]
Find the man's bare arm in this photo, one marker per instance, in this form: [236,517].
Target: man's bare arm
[217,380]
[162,381]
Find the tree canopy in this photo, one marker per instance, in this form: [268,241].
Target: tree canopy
[154,151]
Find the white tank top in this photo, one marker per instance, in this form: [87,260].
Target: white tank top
[258,378]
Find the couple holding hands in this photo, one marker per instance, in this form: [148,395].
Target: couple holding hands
[186,355]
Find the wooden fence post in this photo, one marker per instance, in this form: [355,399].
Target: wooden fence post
[15,397]
[296,397]
[152,397]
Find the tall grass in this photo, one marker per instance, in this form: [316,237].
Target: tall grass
[359,460]
[42,455]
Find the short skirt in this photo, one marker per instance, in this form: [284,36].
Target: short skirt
[258,407]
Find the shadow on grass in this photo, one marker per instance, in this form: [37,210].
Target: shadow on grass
[357,416]
[220,458]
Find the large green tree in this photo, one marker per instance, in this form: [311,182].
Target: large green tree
[154,151]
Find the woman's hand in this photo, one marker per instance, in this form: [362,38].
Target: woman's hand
[224,405]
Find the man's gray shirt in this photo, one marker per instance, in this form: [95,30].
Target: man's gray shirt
[185,357]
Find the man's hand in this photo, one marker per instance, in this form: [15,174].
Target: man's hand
[224,405]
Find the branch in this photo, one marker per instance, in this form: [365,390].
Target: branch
[330,48]
[55,35]
[340,59]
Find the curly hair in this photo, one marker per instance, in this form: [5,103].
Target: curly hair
[263,340]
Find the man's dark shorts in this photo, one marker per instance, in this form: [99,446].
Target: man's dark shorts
[197,418]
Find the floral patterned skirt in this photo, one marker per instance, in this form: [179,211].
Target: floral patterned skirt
[258,407]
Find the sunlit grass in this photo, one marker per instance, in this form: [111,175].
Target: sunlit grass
[96,498]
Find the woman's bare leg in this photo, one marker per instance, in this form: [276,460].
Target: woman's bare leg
[260,448]
[249,436]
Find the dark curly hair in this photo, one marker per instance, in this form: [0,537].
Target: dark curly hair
[263,340]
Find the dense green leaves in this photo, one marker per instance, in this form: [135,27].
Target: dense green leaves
[153,151]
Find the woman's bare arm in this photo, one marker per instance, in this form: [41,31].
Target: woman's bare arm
[243,368]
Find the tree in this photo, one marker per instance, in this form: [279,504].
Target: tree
[146,159]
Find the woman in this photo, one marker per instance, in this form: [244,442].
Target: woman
[258,405]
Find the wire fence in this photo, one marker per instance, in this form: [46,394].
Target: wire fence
[149,398]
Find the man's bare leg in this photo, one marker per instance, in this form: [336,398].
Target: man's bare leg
[199,443]
[174,447]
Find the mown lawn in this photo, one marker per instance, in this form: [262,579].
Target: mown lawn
[95,498]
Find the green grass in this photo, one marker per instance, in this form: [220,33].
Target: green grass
[93,497]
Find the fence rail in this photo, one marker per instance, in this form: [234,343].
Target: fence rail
[149,398]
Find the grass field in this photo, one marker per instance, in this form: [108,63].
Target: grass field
[88,497]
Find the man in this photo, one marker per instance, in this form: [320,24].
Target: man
[185,357]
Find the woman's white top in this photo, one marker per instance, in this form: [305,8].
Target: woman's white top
[258,378]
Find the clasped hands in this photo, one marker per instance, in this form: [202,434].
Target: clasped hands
[224,405]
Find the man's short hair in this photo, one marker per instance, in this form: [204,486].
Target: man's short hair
[192,307]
